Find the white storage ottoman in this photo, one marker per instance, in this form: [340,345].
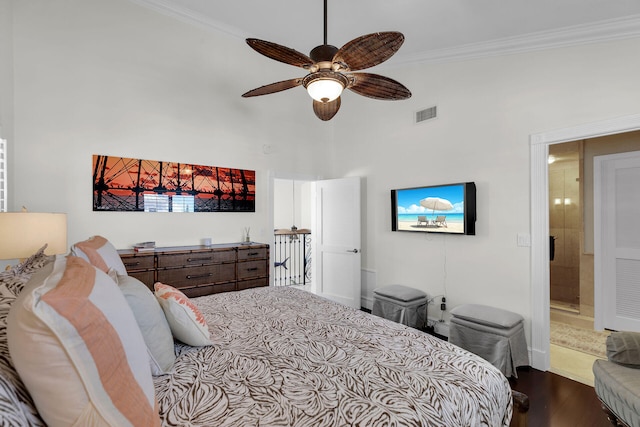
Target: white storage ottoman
[494,334]
[401,304]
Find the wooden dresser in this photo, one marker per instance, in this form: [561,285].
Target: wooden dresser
[201,270]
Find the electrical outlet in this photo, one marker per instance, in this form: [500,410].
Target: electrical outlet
[443,306]
[432,321]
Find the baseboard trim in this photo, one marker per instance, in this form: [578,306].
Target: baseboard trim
[539,360]
[366,302]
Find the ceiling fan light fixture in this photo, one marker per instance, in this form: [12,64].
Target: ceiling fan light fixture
[325,90]
[325,86]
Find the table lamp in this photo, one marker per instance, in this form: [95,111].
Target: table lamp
[23,233]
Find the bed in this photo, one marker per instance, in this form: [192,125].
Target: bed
[285,357]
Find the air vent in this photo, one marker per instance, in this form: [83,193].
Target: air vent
[426,114]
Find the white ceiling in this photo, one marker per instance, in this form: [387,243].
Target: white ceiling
[435,30]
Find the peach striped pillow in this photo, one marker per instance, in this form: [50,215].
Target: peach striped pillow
[100,253]
[75,343]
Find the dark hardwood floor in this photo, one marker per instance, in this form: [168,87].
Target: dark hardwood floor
[556,401]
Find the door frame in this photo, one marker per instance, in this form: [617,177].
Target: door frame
[539,145]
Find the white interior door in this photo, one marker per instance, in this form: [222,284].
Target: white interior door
[337,254]
[617,241]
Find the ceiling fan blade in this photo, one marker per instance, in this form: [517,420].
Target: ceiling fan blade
[280,53]
[369,50]
[273,87]
[378,87]
[326,110]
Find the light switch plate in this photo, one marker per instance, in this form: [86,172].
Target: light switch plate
[524,240]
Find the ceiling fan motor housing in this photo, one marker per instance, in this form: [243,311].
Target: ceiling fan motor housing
[324,52]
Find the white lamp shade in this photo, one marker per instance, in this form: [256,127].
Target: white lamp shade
[324,90]
[23,233]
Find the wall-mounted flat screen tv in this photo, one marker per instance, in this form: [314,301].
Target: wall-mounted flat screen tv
[449,208]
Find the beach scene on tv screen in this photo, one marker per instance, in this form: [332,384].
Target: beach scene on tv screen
[431,209]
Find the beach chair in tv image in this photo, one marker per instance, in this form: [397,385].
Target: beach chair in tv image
[440,221]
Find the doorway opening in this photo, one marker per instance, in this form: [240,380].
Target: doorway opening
[574,342]
[292,233]
[332,209]
[540,142]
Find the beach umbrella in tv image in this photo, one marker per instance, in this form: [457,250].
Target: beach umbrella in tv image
[436,204]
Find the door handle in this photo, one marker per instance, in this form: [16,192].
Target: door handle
[355,251]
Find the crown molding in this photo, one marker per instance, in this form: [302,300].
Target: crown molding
[167,7]
[598,32]
[602,31]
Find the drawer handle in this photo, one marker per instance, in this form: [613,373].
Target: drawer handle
[198,276]
[131,264]
[199,259]
[253,253]
[252,269]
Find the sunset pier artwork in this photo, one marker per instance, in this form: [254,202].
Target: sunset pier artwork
[136,185]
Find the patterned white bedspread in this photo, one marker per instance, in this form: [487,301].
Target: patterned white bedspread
[285,357]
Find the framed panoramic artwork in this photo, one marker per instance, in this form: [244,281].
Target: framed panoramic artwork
[122,184]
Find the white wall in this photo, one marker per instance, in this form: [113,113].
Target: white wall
[113,78]
[290,209]
[6,71]
[487,110]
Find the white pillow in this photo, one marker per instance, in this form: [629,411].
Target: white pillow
[75,343]
[100,253]
[152,323]
[186,321]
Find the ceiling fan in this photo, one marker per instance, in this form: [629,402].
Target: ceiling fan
[331,70]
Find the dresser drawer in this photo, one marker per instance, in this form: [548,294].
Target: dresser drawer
[195,276]
[251,253]
[208,289]
[134,263]
[196,258]
[249,269]
[253,283]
